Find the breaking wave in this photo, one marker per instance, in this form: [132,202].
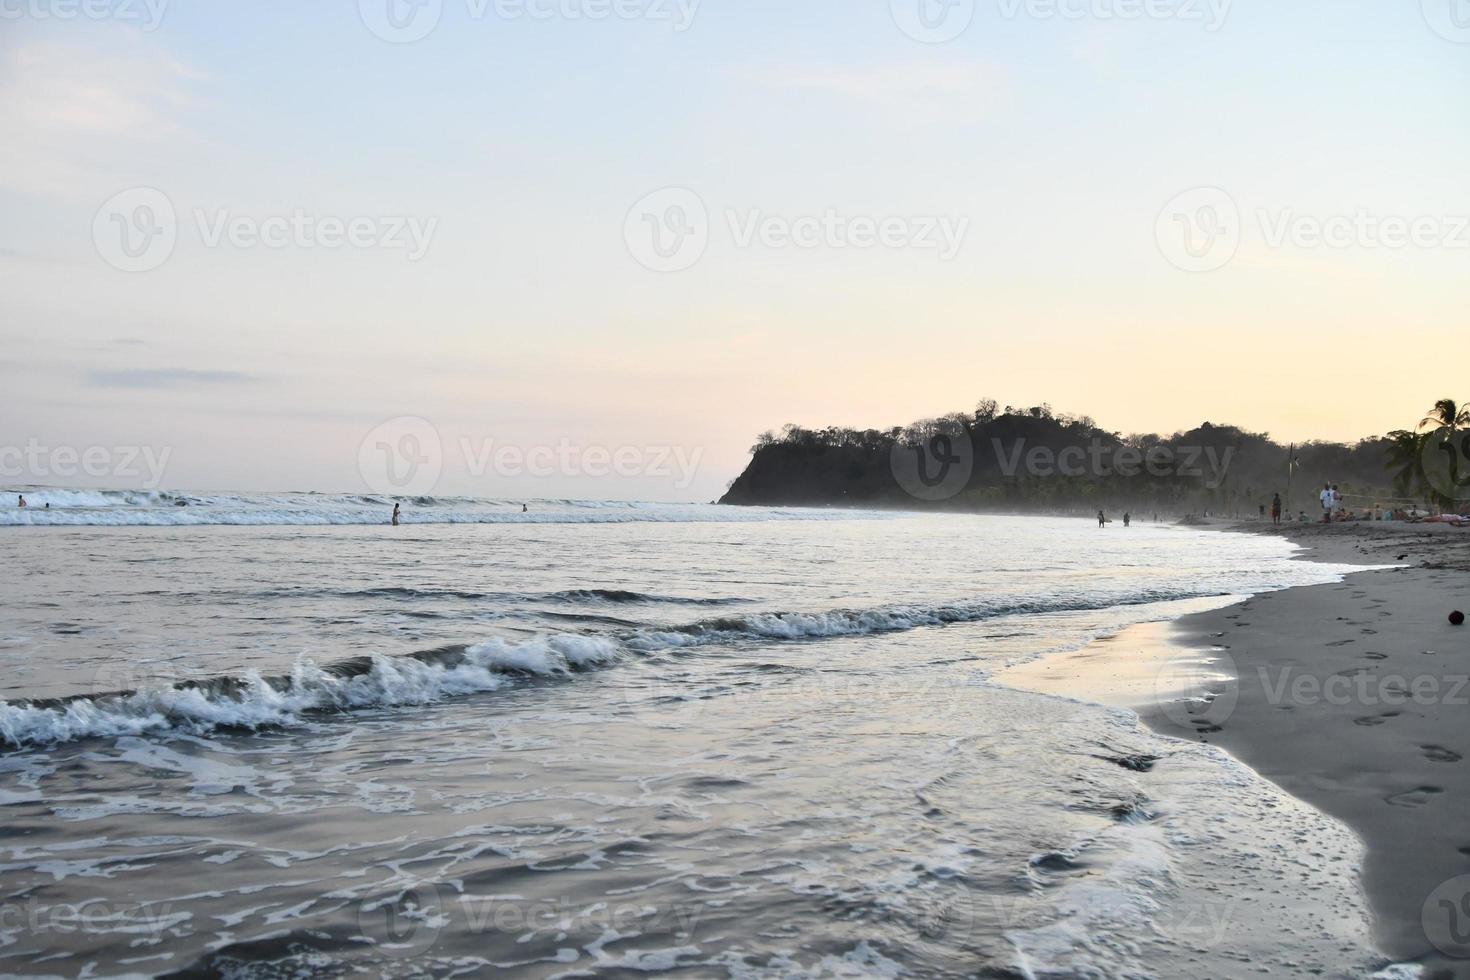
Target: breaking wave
[252,702]
[121,508]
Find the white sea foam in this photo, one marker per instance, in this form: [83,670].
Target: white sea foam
[255,702]
[116,508]
[252,701]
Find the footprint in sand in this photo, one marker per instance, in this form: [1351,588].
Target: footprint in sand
[1369,632]
[1368,721]
[1438,753]
[1341,643]
[1419,796]
[1374,655]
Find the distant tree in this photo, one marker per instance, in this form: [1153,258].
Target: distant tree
[1406,463]
[1446,413]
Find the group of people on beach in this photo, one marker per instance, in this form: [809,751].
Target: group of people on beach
[1103,520]
[1331,498]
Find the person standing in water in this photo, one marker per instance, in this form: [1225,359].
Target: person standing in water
[1127,519]
[1276,509]
[20,500]
[395,515]
[1102,519]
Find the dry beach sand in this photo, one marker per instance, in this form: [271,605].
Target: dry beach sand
[1353,697]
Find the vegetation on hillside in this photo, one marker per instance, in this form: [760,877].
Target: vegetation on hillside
[1034,459]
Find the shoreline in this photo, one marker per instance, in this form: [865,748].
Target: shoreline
[1351,697]
[1355,698]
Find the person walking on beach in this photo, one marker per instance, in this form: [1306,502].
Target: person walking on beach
[1127,519]
[1326,498]
[1276,509]
[1102,519]
[395,515]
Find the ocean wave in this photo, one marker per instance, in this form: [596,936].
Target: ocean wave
[625,596]
[253,702]
[125,508]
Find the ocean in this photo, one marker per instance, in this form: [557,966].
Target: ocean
[269,735]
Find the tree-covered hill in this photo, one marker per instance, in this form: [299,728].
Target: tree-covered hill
[1033,459]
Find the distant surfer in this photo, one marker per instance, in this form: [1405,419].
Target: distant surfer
[525,509]
[395,515]
[20,500]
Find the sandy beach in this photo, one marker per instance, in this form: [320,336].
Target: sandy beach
[1352,697]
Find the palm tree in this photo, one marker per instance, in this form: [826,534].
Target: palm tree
[1408,452]
[1447,414]
[1406,462]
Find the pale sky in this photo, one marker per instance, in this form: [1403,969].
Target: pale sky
[1055,138]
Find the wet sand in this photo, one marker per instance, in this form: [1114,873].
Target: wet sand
[1353,697]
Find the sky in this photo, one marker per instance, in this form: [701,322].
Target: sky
[593,248]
